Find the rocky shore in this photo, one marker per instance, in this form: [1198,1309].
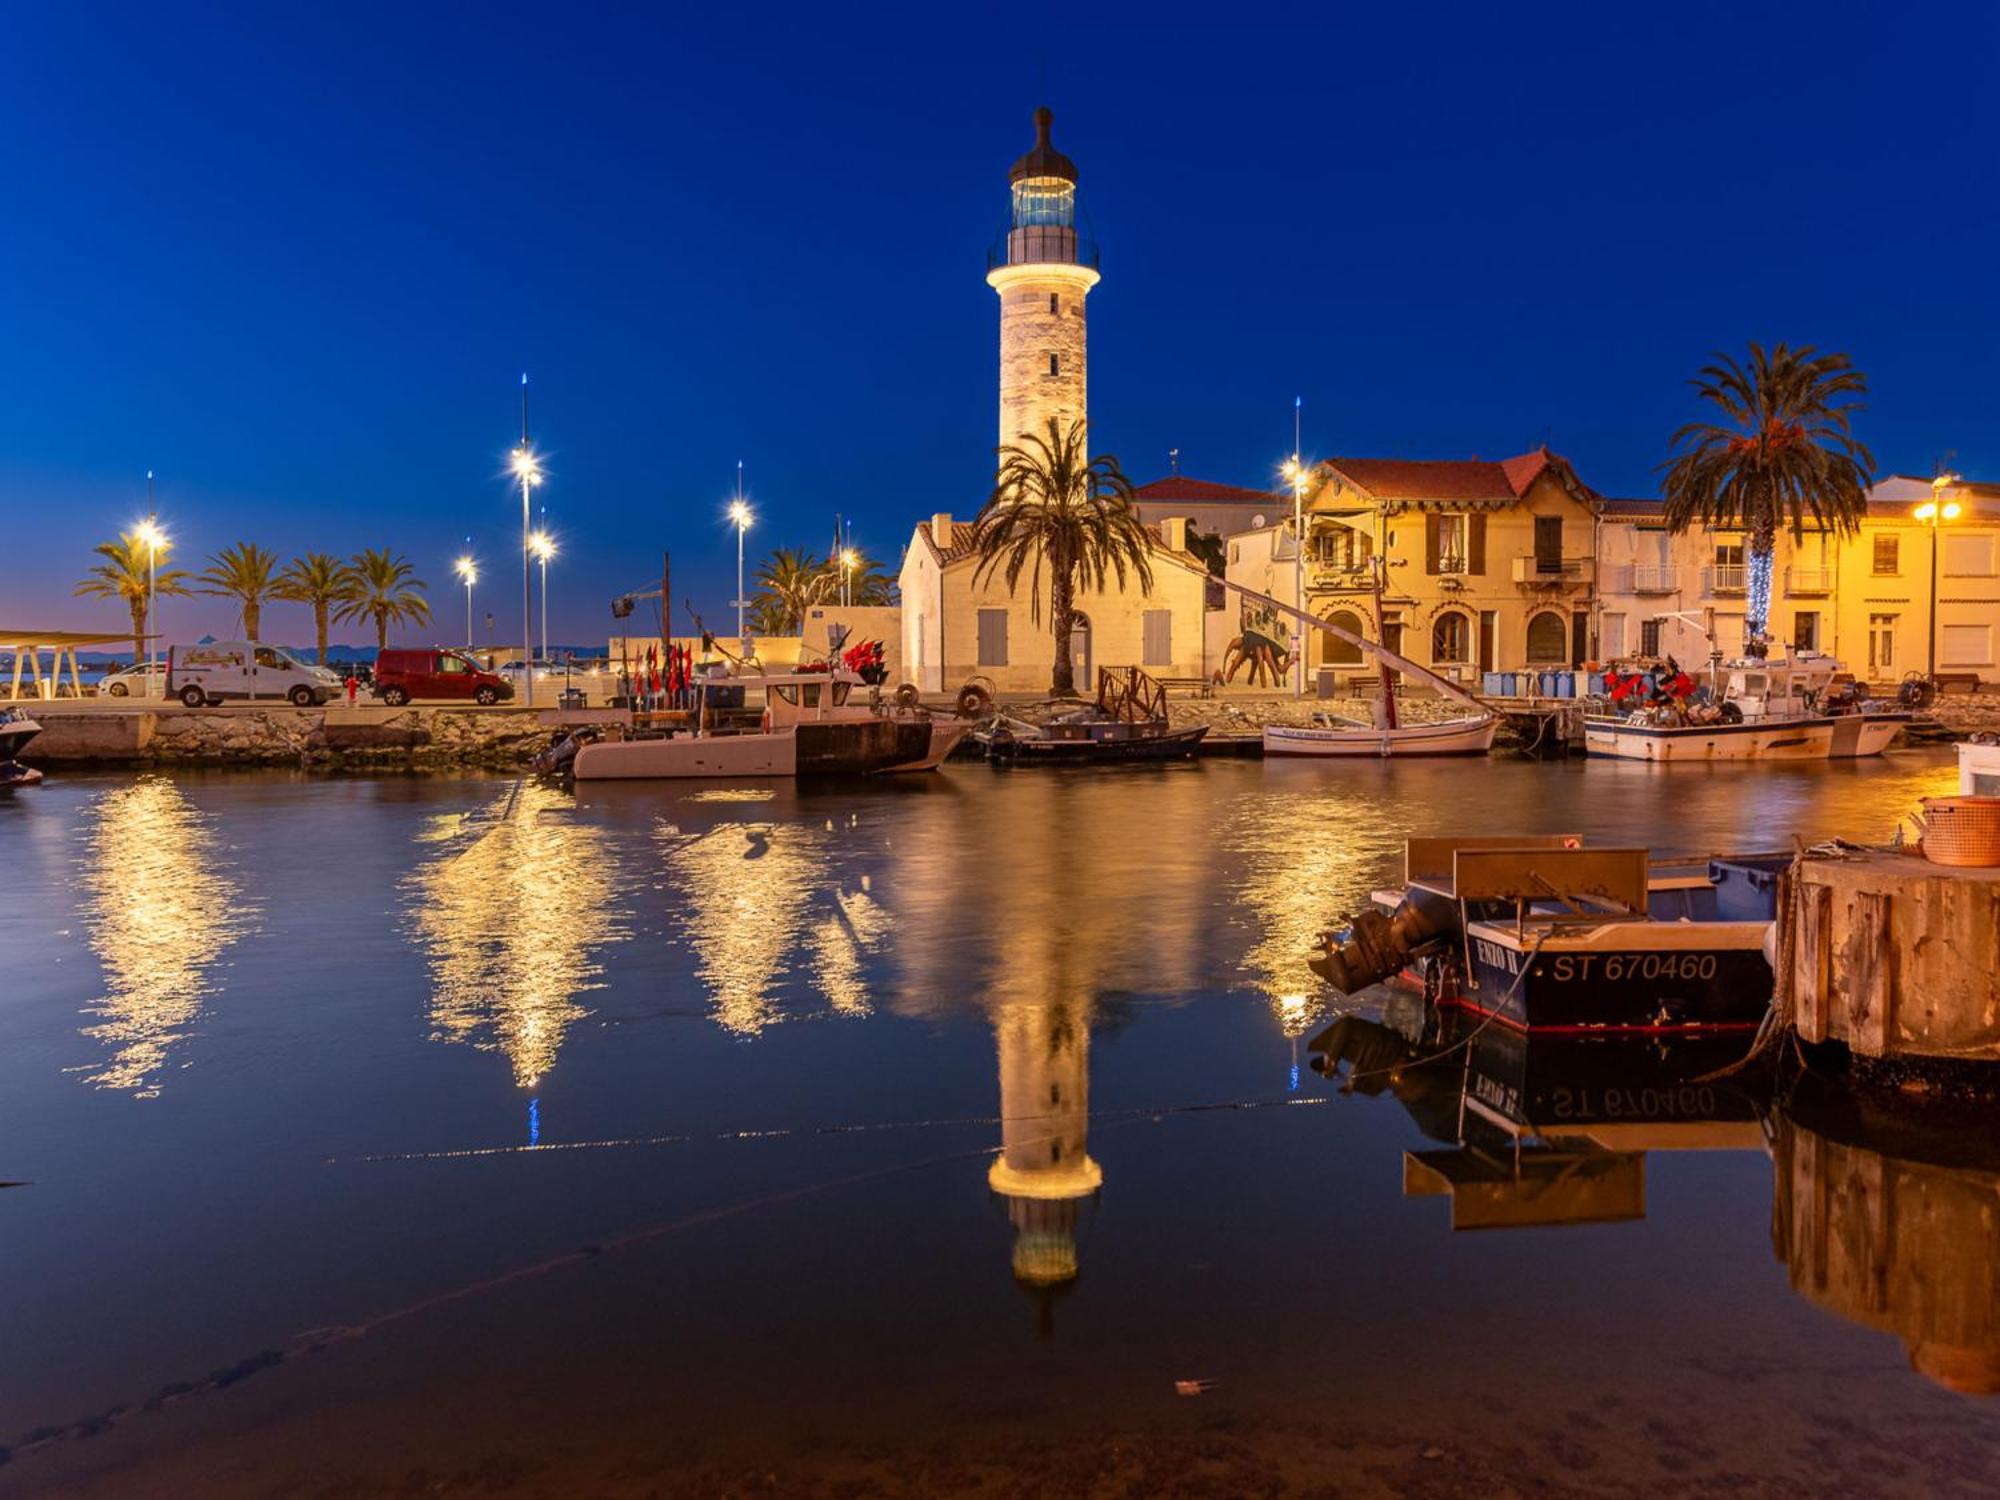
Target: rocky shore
[326,738]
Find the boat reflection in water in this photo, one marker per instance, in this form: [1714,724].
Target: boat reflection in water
[511,914]
[1893,1222]
[161,909]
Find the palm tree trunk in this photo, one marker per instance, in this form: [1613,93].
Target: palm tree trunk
[138,632]
[1062,614]
[381,631]
[319,627]
[1757,611]
[253,616]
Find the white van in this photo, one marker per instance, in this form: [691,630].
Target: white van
[199,675]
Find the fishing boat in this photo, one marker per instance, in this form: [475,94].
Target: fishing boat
[1387,735]
[1128,722]
[1796,708]
[16,729]
[765,724]
[1544,935]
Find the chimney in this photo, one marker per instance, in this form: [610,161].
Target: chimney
[941,530]
[1173,531]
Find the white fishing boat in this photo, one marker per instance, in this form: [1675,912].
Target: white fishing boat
[1330,735]
[1786,709]
[768,724]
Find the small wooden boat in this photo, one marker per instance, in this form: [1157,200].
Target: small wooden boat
[1013,742]
[16,729]
[1330,736]
[1544,935]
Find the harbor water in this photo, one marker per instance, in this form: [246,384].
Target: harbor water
[950,1134]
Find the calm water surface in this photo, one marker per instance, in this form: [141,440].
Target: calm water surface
[460,1136]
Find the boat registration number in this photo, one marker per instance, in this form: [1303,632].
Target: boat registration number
[1614,967]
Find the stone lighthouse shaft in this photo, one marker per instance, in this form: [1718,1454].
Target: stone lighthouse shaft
[1043,270]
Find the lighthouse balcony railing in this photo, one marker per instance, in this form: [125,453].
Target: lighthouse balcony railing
[1042,245]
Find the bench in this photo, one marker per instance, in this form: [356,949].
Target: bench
[1198,686]
[1958,682]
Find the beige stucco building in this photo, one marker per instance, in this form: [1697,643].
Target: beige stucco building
[1489,565]
[1865,599]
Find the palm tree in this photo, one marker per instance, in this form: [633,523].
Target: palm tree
[1785,455]
[791,581]
[130,571]
[245,573]
[1054,505]
[867,586]
[321,580]
[766,617]
[386,589]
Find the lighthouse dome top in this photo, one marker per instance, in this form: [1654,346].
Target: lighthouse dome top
[1044,160]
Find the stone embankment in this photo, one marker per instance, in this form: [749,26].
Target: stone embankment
[329,738]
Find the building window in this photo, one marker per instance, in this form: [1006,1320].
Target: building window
[1548,544]
[1548,639]
[993,638]
[1157,647]
[1451,639]
[1055,364]
[1966,646]
[1649,637]
[1805,630]
[1335,652]
[1968,556]
[1451,544]
[1729,554]
[1055,303]
[1882,640]
[1888,549]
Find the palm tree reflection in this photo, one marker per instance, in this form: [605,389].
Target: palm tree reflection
[160,909]
[512,916]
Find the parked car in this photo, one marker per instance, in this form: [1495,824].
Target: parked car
[436,672]
[217,670]
[143,680]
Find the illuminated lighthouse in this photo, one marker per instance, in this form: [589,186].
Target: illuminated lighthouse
[1043,270]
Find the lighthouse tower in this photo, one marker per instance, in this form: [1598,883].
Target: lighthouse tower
[1042,270]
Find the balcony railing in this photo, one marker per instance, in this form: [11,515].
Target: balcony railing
[1725,578]
[1566,572]
[1808,581]
[1042,245]
[1336,575]
[1656,580]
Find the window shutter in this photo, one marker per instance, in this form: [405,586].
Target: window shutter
[1431,522]
[1475,543]
[993,638]
[1158,645]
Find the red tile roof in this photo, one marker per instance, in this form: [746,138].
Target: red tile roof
[1202,491]
[1443,479]
[1642,508]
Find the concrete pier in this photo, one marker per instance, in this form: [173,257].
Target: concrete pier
[1894,956]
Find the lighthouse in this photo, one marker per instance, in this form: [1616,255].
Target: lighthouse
[1043,269]
[1044,1169]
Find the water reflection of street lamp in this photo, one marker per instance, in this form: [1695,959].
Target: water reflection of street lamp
[148,531]
[1936,511]
[468,572]
[739,517]
[544,547]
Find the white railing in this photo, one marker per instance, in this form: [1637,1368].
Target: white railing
[1568,570]
[1656,580]
[1726,578]
[1808,580]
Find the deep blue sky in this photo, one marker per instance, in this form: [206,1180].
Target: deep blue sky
[296,260]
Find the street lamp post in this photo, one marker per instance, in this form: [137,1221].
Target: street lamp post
[545,548]
[847,562]
[1936,511]
[149,533]
[469,572]
[528,469]
[1295,471]
[739,514]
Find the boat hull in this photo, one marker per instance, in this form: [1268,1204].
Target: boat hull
[1175,744]
[1837,737]
[830,748]
[1630,977]
[1452,737]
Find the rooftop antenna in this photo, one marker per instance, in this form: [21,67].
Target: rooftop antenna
[1174,460]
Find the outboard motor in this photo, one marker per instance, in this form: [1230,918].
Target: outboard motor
[1372,946]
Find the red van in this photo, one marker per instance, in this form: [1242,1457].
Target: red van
[436,673]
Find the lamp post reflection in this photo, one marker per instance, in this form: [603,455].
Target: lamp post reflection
[160,911]
[511,918]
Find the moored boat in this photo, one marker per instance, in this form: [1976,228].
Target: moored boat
[1461,736]
[1796,708]
[17,728]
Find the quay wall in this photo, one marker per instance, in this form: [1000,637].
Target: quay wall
[333,738]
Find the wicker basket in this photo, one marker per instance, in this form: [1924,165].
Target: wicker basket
[1962,831]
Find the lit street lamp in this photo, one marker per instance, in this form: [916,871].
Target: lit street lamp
[1936,510]
[528,469]
[848,561]
[739,515]
[469,572]
[148,531]
[1298,473]
[544,547]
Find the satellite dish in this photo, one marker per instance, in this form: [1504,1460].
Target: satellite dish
[1258,523]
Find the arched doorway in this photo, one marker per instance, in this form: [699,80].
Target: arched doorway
[1451,639]
[1335,652]
[1548,641]
[1079,651]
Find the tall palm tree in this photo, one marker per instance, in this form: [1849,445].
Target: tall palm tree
[791,581]
[321,580]
[1784,454]
[129,570]
[1054,507]
[386,591]
[245,573]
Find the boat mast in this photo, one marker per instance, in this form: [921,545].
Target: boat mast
[1388,677]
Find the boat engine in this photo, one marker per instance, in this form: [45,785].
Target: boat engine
[1373,946]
